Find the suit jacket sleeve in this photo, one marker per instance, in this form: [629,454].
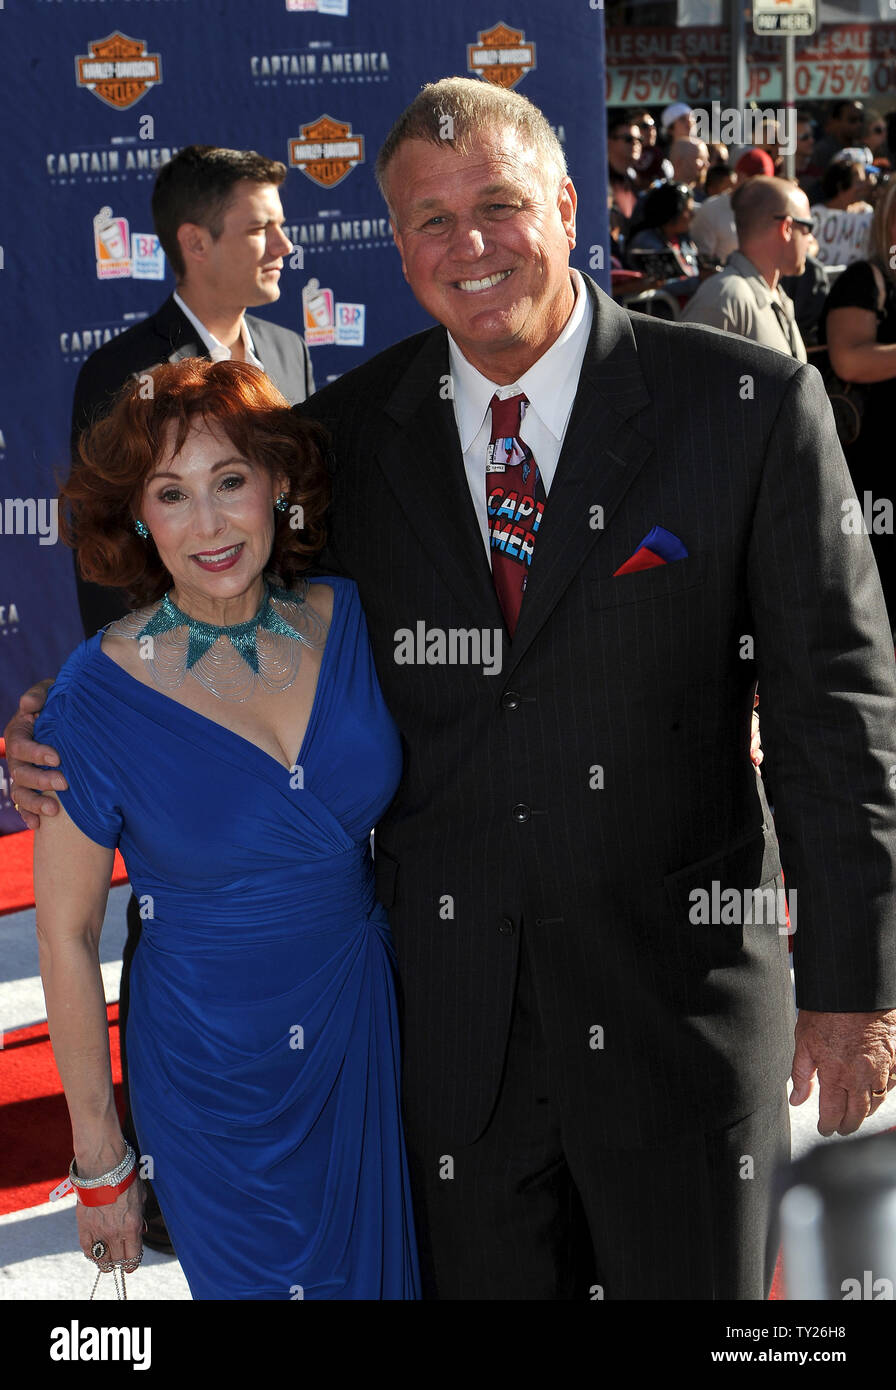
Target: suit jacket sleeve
[827,689]
[328,561]
[94,391]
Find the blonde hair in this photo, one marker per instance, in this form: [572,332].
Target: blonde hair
[456,110]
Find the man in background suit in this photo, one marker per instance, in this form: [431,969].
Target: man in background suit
[595,1060]
[596,1048]
[218,216]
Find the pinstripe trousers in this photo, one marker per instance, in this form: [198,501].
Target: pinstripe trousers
[543,1206]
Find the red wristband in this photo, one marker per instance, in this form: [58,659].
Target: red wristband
[105,1196]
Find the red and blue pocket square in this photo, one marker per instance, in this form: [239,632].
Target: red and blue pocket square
[659,547]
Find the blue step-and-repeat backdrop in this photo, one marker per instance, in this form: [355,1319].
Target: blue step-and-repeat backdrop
[98,94]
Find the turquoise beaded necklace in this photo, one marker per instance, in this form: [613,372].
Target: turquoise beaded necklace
[242,636]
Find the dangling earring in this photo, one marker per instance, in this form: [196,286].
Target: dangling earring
[281,503]
[141,530]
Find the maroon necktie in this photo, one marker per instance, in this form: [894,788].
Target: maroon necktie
[515,499]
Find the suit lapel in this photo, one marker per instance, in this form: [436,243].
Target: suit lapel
[179,337]
[601,456]
[267,349]
[424,466]
[285,368]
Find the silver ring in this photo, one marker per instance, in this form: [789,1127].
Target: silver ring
[98,1249]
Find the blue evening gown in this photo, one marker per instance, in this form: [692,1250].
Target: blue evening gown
[262,1033]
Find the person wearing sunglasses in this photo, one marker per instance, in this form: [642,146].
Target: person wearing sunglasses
[876,136]
[623,152]
[652,164]
[774,229]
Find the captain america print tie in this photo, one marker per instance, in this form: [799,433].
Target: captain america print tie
[515,501]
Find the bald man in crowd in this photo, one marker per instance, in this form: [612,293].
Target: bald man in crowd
[774,228]
[712,227]
[690,161]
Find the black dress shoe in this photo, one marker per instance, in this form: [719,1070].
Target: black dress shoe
[156,1234]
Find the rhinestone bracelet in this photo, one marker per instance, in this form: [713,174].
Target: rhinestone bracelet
[110,1179]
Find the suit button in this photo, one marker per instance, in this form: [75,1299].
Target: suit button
[521,813]
[510,700]
[506,928]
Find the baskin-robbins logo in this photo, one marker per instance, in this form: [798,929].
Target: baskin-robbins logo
[326,151]
[327,322]
[350,325]
[501,56]
[118,70]
[121,255]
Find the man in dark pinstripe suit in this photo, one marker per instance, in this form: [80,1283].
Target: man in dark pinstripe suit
[598,1027]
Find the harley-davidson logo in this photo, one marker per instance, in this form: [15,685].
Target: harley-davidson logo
[118,70]
[501,56]
[326,150]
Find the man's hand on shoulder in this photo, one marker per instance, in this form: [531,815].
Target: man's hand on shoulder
[27,781]
[855,1058]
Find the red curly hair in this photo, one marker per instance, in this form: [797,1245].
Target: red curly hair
[117,454]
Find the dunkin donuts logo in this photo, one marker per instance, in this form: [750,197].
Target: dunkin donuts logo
[326,150]
[118,70]
[501,56]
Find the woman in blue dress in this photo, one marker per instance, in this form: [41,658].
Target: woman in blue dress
[231,737]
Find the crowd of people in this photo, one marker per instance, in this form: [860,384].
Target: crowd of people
[718,235]
[841,162]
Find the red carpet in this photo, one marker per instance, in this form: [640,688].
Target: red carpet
[16,887]
[778,1283]
[35,1131]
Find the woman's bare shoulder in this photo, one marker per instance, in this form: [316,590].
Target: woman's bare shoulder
[121,640]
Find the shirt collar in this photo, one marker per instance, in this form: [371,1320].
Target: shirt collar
[550,383]
[763,292]
[217,351]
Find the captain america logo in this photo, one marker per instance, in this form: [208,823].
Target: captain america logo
[514,510]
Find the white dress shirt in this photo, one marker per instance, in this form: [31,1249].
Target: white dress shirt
[712,228]
[217,351]
[550,387]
